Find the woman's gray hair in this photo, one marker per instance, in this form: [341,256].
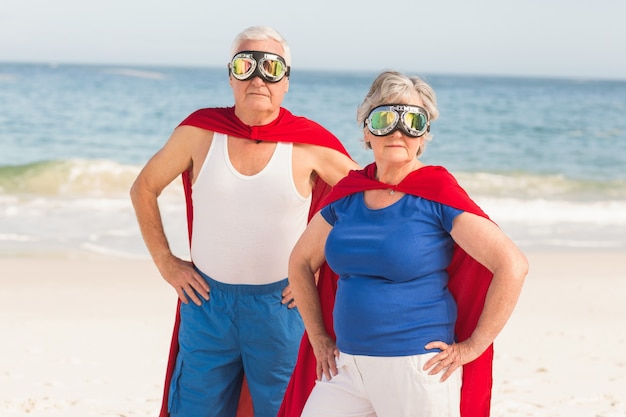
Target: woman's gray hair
[392,87]
[261,33]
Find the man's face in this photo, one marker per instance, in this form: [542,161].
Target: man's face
[256,94]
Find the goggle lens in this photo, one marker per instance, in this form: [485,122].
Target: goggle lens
[381,120]
[249,64]
[412,120]
[273,67]
[415,121]
[242,66]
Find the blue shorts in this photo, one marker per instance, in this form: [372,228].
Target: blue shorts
[242,328]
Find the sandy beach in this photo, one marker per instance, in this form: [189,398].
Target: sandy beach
[87,338]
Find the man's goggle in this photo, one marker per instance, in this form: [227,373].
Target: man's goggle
[412,120]
[249,64]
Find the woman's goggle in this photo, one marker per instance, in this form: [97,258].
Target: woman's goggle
[249,64]
[412,120]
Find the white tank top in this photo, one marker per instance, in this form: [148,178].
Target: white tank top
[244,227]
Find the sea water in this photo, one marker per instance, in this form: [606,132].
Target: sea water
[545,158]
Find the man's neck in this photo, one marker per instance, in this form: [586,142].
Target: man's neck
[255,118]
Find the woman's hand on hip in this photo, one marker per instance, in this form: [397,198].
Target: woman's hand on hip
[450,358]
[326,353]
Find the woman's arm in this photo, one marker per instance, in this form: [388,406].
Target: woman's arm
[485,242]
[306,258]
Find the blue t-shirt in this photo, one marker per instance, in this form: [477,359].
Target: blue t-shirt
[392,295]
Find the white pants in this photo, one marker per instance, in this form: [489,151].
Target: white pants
[369,386]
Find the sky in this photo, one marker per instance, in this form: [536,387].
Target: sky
[536,38]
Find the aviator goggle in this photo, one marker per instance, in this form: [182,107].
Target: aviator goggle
[385,119]
[246,65]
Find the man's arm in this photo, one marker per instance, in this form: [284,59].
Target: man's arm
[175,157]
[312,160]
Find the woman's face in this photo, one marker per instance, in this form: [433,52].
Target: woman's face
[396,147]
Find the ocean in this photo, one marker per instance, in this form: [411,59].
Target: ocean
[545,158]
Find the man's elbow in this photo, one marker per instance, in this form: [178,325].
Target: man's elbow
[138,190]
[134,190]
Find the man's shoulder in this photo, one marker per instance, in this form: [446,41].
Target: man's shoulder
[207,117]
[286,117]
[322,148]
[304,131]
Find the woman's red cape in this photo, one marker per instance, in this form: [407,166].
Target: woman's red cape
[469,281]
[285,128]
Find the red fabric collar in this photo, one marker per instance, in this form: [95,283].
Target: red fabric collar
[285,128]
[431,182]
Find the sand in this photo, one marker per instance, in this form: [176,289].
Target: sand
[90,338]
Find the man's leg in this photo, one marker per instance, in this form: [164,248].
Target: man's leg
[208,374]
[270,336]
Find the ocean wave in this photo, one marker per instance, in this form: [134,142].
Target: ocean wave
[530,186]
[542,212]
[83,206]
[108,226]
[75,179]
[69,178]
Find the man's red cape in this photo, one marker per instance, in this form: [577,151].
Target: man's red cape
[285,128]
[469,281]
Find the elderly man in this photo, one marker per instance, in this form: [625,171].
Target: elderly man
[253,175]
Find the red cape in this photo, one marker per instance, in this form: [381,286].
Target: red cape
[285,128]
[469,281]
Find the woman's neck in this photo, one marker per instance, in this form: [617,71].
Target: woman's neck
[394,173]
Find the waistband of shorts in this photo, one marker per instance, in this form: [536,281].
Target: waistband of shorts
[245,289]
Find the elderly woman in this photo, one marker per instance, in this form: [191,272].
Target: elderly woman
[426,280]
